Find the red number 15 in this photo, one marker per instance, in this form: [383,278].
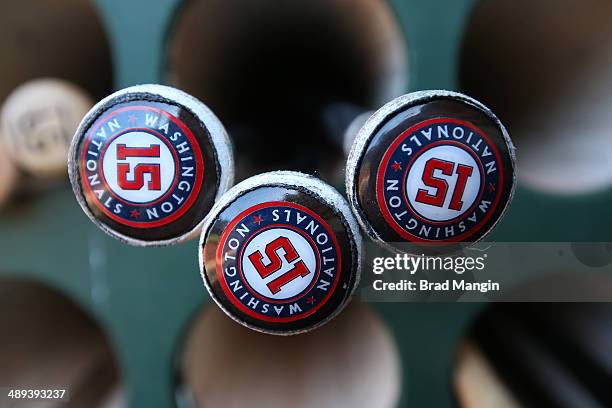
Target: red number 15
[437,199]
[140,170]
[299,268]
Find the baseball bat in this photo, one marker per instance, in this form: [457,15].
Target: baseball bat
[49,343]
[38,120]
[540,354]
[429,169]
[351,362]
[8,175]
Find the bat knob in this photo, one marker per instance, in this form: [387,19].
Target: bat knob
[38,119]
[430,169]
[147,164]
[280,253]
[9,177]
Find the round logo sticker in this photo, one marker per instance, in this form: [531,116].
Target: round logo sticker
[278,262]
[439,181]
[141,166]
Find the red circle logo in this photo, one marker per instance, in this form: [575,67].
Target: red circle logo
[278,262]
[141,166]
[439,181]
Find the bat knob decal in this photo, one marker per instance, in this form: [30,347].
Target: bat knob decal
[280,253]
[433,167]
[147,164]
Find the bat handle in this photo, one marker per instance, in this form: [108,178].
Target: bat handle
[342,120]
[350,134]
